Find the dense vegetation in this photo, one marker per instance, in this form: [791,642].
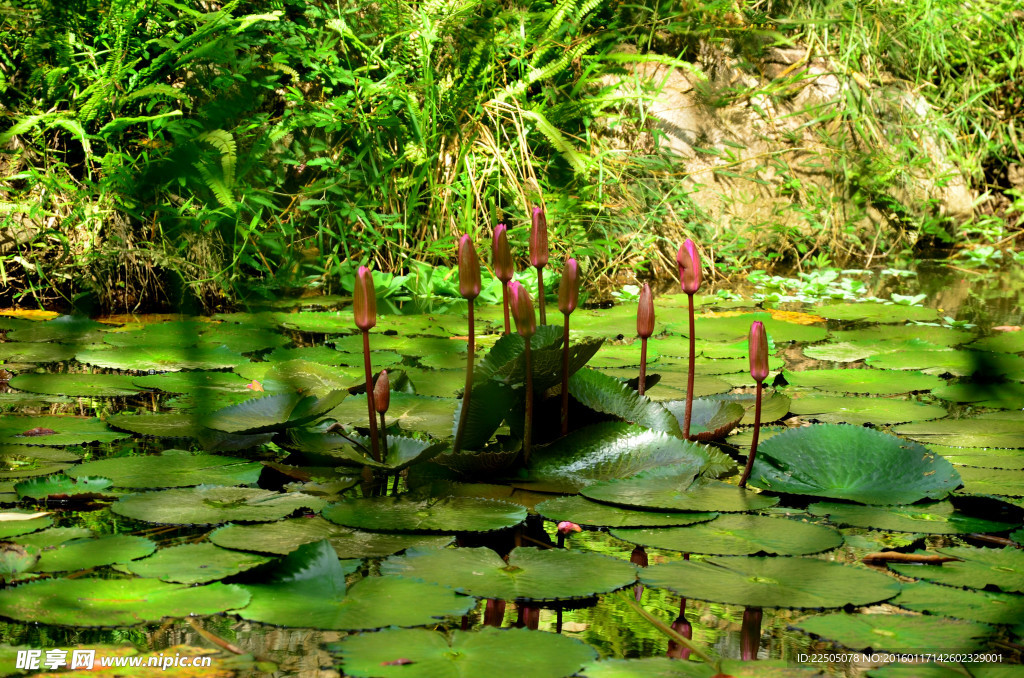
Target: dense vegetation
[215,152]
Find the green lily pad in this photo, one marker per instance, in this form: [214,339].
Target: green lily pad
[420,653]
[733,328]
[956,362]
[931,518]
[172,468]
[897,632]
[710,418]
[66,328]
[739,535]
[933,334]
[82,554]
[60,486]
[35,352]
[162,425]
[869,381]
[858,411]
[23,461]
[877,312]
[616,450]
[852,351]
[608,395]
[774,406]
[308,590]
[436,383]
[585,512]
[212,505]
[623,355]
[992,481]
[195,563]
[665,667]
[412,412]
[746,437]
[15,562]
[115,602]
[987,430]
[1008,395]
[193,382]
[490,403]
[53,536]
[171,359]
[170,334]
[311,378]
[987,607]
[727,368]
[529,575]
[852,463]
[333,322]
[796,583]
[450,514]
[241,339]
[313,354]
[273,412]
[672,385]
[55,430]
[983,457]
[1004,342]
[76,384]
[667,490]
[977,568]
[11,525]
[285,536]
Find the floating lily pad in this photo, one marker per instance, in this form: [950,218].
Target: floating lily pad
[173,468]
[710,418]
[733,328]
[195,563]
[739,535]
[797,583]
[436,383]
[1004,342]
[623,355]
[334,322]
[852,351]
[192,382]
[863,410]
[897,632]
[114,602]
[982,431]
[672,385]
[66,328]
[870,381]
[212,505]
[983,457]
[977,568]
[53,536]
[273,412]
[82,554]
[420,653]
[60,486]
[608,395]
[240,338]
[312,378]
[413,412]
[992,481]
[314,354]
[451,514]
[664,667]
[852,463]
[287,535]
[307,590]
[585,512]
[956,362]
[55,430]
[933,334]
[17,522]
[931,518]
[877,312]
[1007,395]
[987,607]
[746,437]
[529,575]
[23,461]
[170,359]
[664,490]
[774,406]
[163,425]
[35,352]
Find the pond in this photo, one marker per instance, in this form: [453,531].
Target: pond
[181,486]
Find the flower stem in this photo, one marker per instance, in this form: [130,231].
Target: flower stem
[642,386]
[528,432]
[565,376]
[540,295]
[753,443]
[689,376]
[464,411]
[375,444]
[504,301]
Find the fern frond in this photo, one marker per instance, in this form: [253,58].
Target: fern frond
[557,19]
[120,123]
[76,130]
[217,186]
[225,143]
[158,89]
[557,140]
[24,125]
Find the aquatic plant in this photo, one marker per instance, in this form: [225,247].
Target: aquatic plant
[364,308]
[469,287]
[644,329]
[504,268]
[526,325]
[568,297]
[539,255]
[689,279]
[757,344]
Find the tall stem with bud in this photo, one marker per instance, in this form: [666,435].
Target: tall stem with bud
[381,402]
[690,279]
[568,297]
[644,328]
[501,260]
[526,324]
[539,255]
[469,287]
[757,346]
[365,311]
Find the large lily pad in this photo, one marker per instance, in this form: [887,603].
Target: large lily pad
[993,481]
[667,489]
[272,412]
[852,463]
[66,328]
[162,425]
[982,457]
[798,583]
[774,406]
[72,384]
[869,381]
[529,575]
[988,430]
[739,535]
[18,522]
[608,395]
[490,403]
[977,568]
[1007,395]
[60,486]
[213,505]
[414,412]
[897,632]
[731,328]
[55,430]
[420,653]
[193,382]
[82,554]
[877,312]
[585,512]
[710,418]
[114,602]
[852,351]
[172,334]
[23,461]
[931,518]
[857,411]
[956,362]
[933,334]
[172,468]
[1004,342]
[284,536]
[450,514]
[987,607]
[311,378]
[171,359]
[195,563]
[35,352]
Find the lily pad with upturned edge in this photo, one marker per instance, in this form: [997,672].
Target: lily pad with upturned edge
[582,511]
[988,607]
[930,518]
[194,563]
[668,489]
[212,505]
[450,514]
[82,554]
[897,632]
[977,568]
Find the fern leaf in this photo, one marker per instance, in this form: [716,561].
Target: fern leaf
[557,19]
[558,140]
[120,123]
[158,89]
[225,143]
[25,125]
[76,129]
[214,183]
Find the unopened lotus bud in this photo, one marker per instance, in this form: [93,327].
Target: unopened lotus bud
[469,269]
[501,255]
[522,309]
[565,527]
[539,239]
[569,287]
[689,267]
[675,650]
[645,313]
[639,557]
[757,344]
[382,392]
[365,300]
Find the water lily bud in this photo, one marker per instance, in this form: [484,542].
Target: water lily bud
[645,313]
[539,239]
[569,288]
[365,300]
[382,392]
[639,557]
[469,269]
[565,527]
[522,309]
[501,255]
[689,267]
[757,344]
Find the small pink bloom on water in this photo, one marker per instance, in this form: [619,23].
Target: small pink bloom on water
[254,386]
[565,527]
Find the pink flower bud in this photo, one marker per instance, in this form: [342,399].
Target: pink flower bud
[522,309]
[645,313]
[689,267]
[569,287]
[539,239]
[501,255]
[469,269]
[382,392]
[757,345]
[365,300]
[565,527]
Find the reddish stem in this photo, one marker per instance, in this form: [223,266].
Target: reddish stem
[643,365]
[463,413]
[750,633]
[504,301]
[689,377]
[528,433]
[540,295]
[374,443]
[565,376]
[753,443]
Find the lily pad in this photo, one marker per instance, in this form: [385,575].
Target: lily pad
[986,430]
[240,338]
[987,607]
[933,334]
[173,468]
[35,352]
[414,412]
[115,602]
[212,505]
[877,312]
[66,328]
[796,583]
[738,535]
[436,383]
[311,378]
[983,457]
[285,536]
[665,489]
[897,632]
[82,554]
[870,381]
[992,481]
[192,382]
[76,384]
[1008,395]
[273,412]
[956,362]
[863,410]
[732,328]
[608,395]
[23,461]
[931,518]
[53,536]
[195,563]
[1004,342]
[977,568]
[18,522]
[852,351]
[529,575]
[162,425]
[55,430]
[585,512]
[774,406]
[334,322]
[60,486]
[420,653]
[314,354]
[852,463]
[710,418]
[450,514]
[672,384]
[170,359]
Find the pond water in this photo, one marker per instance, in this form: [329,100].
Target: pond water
[948,374]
